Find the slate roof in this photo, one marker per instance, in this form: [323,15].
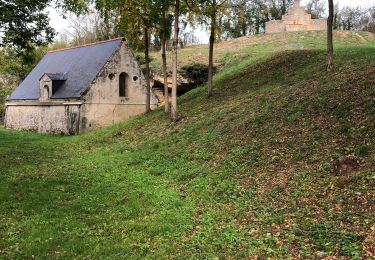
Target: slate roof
[78,66]
[57,76]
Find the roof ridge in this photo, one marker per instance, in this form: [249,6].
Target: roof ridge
[86,45]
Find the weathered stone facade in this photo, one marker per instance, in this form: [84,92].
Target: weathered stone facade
[52,117]
[296,20]
[100,105]
[103,106]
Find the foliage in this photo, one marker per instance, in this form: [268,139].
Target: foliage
[90,27]
[355,18]
[140,57]
[246,175]
[208,13]
[368,20]
[13,69]
[195,72]
[133,17]
[24,23]
[202,11]
[166,26]
[250,17]
[316,8]
[5,91]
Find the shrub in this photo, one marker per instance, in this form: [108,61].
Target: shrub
[141,59]
[5,91]
[195,72]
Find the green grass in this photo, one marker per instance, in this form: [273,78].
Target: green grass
[255,47]
[246,173]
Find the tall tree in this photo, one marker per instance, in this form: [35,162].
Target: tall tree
[368,20]
[146,38]
[213,14]
[24,23]
[141,16]
[174,115]
[330,36]
[207,12]
[351,18]
[165,28]
[89,27]
[316,8]
[336,17]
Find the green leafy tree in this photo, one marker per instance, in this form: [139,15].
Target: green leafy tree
[13,69]
[24,23]
[238,21]
[206,12]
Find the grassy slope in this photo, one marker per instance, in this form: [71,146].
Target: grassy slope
[246,173]
[259,46]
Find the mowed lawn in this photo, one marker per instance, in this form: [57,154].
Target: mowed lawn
[60,200]
[247,173]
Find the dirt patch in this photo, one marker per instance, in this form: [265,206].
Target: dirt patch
[345,165]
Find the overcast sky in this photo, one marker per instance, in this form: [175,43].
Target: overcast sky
[62,25]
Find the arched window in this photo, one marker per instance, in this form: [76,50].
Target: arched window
[123,85]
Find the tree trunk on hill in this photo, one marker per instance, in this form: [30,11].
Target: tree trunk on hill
[330,36]
[147,76]
[283,8]
[211,50]
[174,115]
[164,58]
[257,24]
[166,89]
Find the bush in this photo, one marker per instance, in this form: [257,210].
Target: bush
[5,91]
[141,59]
[195,72]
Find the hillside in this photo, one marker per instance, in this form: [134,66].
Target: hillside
[247,173]
[258,46]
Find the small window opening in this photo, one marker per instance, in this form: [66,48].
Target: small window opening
[123,85]
[46,92]
[111,76]
[56,84]
[135,78]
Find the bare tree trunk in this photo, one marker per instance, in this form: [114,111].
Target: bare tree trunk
[174,115]
[147,60]
[330,37]
[257,24]
[211,51]
[164,58]
[283,8]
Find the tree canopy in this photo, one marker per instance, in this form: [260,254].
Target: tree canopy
[24,23]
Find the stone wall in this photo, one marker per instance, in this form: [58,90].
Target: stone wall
[296,20]
[53,118]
